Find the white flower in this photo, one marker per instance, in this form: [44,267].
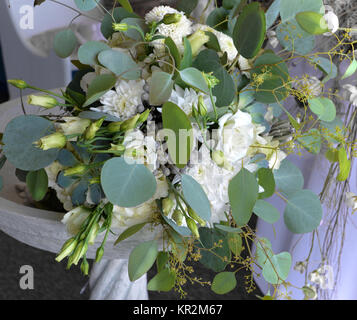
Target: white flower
[332,22]
[244,66]
[185,98]
[273,40]
[87,80]
[236,134]
[353,93]
[74,125]
[125,101]
[351,200]
[75,218]
[177,31]
[225,42]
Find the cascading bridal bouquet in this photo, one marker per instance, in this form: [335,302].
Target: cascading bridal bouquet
[175,133]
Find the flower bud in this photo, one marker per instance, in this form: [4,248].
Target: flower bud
[120,27]
[144,116]
[177,216]
[191,224]
[130,123]
[202,109]
[197,40]
[116,148]
[114,127]
[20,84]
[85,267]
[196,217]
[75,171]
[167,205]
[45,101]
[211,80]
[52,141]
[99,254]
[171,18]
[92,129]
[67,249]
[80,252]
[74,125]
[194,111]
[93,234]
[218,157]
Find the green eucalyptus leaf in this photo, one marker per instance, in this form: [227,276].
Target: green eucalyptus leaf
[311,140]
[19,137]
[327,66]
[137,184]
[120,63]
[186,61]
[227,228]
[224,282]
[98,87]
[133,33]
[303,212]
[267,181]
[180,135]
[235,243]
[312,22]
[290,8]
[266,211]
[37,184]
[174,51]
[243,194]
[162,260]
[352,68]
[272,13]
[195,79]
[161,86]
[126,5]
[249,31]
[164,281]
[196,197]
[141,259]
[187,6]
[88,52]
[217,19]
[64,43]
[86,5]
[324,108]
[264,251]
[277,268]
[129,232]
[230,4]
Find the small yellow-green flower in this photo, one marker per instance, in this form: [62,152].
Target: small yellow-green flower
[45,101]
[52,141]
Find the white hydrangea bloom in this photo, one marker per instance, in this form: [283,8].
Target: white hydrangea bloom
[125,101]
[177,31]
[185,98]
[352,91]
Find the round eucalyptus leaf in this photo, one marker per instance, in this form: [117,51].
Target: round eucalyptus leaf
[195,79]
[266,211]
[161,86]
[64,43]
[127,185]
[224,282]
[86,5]
[303,212]
[196,197]
[290,8]
[273,13]
[277,268]
[98,87]
[19,137]
[141,259]
[88,52]
[324,108]
[37,184]
[164,281]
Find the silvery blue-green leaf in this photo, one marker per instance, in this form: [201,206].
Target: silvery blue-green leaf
[133,33]
[88,52]
[95,193]
[196,197]
[186,61]
[137,183]
[120,63]
[141,259]
[303,212]
[293,38]
[79,194]
[327,66]
[266,180]
[352,68]
[272,13]
[83,153]
[230,4]
[66,158]
[64,43]
[263,251]
[311,140]
[235,243]
[19,137]
[65,181]
[227,228]
[126,5]
[331,130]
[243,194]
[37,184]
[277,268]
[288,178]
[224,282]
[98,87]
[174,51]
[277,111]
[161,86]
[86,5]
[130,231]
[94,115]
[195,79]
[266,211]
[290,8]
[183,231]
[324,108]
[246,98]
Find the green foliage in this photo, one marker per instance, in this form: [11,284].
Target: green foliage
[162,261]
[344,163]
[98,87]
[290,8]
[228,229]
[327,66]
[352,68]
[235,243]
[217,19]
[312,22]
[64,43]
[243,194]
[141,259]
[133,33]
[311,140]
[272,13]
[324,108]
[266,211]
[224,282]
[19,137]
[163,281]
[126,5]
[180,146]
[174,51]
[85,5]
[196,197]
[249,31]
[186,61]
[37,184]
[161,86]
[267,181]
[129,232]
[187,6]
[277,268]
[303,212]
[88,52]
[137,183]
[195,79]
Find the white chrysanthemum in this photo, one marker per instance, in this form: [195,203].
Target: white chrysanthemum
[351,200]
[186,98]
[225,42]
[352,90]
[177,31]
[126,217]
[124,101]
